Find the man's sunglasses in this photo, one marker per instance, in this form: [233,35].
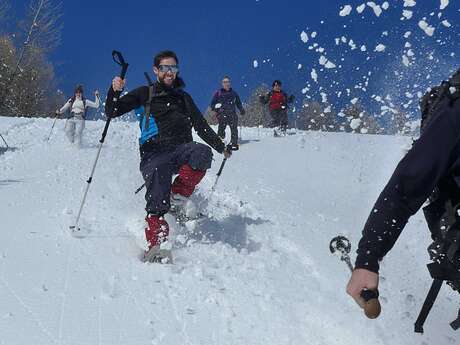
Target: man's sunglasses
[166,68]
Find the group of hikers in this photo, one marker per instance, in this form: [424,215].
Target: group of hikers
[167,114]
[224,105]
[226,100]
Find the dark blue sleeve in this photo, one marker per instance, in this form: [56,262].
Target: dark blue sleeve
[414,179]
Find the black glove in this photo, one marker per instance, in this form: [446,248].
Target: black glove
[243,112]
[227,151]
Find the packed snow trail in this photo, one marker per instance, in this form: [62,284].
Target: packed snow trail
[258,271]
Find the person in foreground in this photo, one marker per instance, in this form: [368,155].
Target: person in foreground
[166,116]
[431,169]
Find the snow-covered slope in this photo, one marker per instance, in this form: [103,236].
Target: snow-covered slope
[258,272]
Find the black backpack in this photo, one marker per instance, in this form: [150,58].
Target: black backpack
[442,213]
[430,100]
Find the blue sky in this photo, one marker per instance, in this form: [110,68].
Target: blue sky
[214,38]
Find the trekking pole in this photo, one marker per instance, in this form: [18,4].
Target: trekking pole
[7,147]
[342,245]
[219,173]
[140,188]
[52,127]
[118,58]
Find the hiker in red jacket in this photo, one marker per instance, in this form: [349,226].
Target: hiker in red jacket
[278,101]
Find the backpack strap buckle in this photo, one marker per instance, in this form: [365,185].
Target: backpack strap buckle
[147,106]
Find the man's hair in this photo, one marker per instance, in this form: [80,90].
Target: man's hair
[276,82]
[164,55]
[225,77]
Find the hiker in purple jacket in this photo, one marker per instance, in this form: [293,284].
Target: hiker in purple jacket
[224,104]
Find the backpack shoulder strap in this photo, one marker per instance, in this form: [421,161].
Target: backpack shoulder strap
[429,301]
[84,107]
[148,105]
[71,101]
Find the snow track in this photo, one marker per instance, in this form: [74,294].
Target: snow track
[257,272]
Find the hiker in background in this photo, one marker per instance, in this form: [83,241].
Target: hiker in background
[278,101]
[224,104]
[77,106]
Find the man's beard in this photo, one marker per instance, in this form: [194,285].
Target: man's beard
[162,80]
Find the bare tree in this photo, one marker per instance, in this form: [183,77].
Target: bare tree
[43,25]
[316,116]
[256,112]
[399,122]
[360,121]
[43,29]
[7,59]
[41,33]
[4,8]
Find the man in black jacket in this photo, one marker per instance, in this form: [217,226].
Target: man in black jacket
[224,103]
[432,163]
[166,144]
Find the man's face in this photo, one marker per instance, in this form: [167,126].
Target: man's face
[167,71]
[78,94]
[226,84]
[277,87]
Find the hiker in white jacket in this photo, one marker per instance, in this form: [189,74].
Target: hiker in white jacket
[76,122]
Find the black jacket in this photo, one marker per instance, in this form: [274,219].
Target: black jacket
[433,159]
[172,111]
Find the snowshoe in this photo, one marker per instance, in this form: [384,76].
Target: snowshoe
[158,255]
[184,209]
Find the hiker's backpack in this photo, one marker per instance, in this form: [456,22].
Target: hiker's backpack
[442,213]
[430,100]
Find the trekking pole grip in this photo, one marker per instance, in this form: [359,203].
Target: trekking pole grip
[118,58]
[372,307]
